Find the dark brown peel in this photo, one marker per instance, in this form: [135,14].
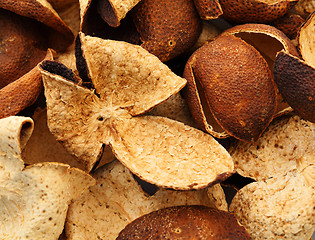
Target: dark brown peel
[60,35]
[235,89]
[185,222]
[22,46]
[289,24]
[296,81]
[167,30]
[21,93]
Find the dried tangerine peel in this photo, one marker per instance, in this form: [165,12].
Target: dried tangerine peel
[96,122]
[278,208]
[116,200]
[289,24]
[34,200]
[295,81]
[21,93]
[208,9]
[268,41]
[277,151]
[21,38]
[258,11]
[232,92]
[41,10]
[112,11]
[168,153]
[115,66]
[166,30]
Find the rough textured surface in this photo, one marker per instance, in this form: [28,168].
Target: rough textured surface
[255,11]
[60,36]
[167,30]
[174,156]
[278,208]
[34,200]
[185,222]
[73,119]
[295,80]
[85,122]
[117,199]
[278,150]
[112,11]
[128,75]
[208,9]
[289,24]
[239,95]
[268,41]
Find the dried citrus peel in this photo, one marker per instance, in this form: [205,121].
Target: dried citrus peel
[34,200]
[84,122]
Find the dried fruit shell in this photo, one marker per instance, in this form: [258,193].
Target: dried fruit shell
[85,122]
[225,94]
[255,11]
[289,24]
[167,30]
[305,7]
[295,81]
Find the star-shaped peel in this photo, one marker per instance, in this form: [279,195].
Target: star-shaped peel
[33,200]
[128,81]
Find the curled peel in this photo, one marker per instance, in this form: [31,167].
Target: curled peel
[112,119]
[34,200]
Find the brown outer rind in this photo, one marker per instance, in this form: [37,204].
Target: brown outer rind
[289,24]
[235,92]
[60,37]
[245,11]
[208,9]
[167,30]
[185,222]
[21,93]
[296,82]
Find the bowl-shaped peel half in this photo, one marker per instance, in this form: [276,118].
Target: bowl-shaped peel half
[268,41]
[295,77]
[230,89]
[34,199]
[128,81]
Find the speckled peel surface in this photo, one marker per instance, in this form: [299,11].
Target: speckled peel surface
[34,200]
[111,139]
